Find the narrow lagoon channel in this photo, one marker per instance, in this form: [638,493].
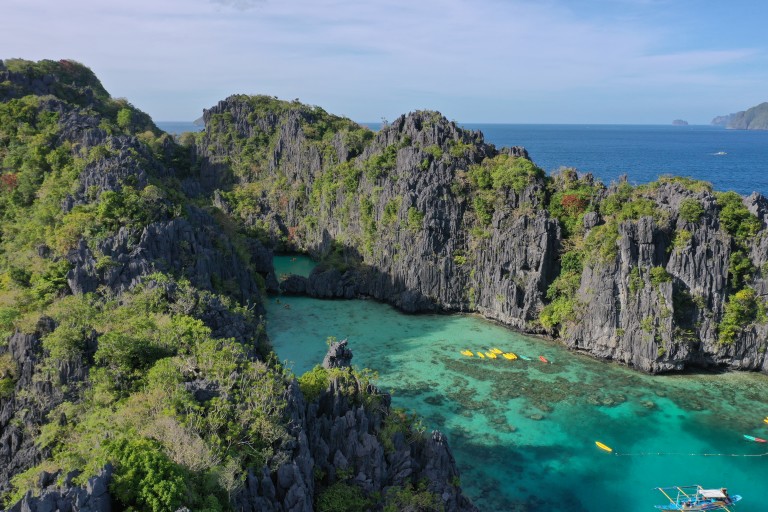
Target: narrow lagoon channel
[523,432]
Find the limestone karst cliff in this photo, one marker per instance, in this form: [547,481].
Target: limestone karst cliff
[427,216]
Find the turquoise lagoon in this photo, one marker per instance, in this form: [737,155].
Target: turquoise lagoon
[298,264]
[523,432]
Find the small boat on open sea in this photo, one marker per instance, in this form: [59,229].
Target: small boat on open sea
[695,498]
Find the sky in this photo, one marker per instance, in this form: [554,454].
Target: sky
[495,61]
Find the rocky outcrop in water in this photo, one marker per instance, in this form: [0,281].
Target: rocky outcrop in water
[338,438]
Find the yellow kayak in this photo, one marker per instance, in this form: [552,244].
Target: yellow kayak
[766,420]
[480,355]
[467,353]
[491,355]
[510,355]
[603,447]
[496,351]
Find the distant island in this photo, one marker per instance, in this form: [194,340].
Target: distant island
[679,122]
[755,118]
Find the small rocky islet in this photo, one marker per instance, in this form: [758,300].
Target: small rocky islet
[135,266]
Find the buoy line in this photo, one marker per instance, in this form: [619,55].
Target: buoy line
[693,454]
[608,449]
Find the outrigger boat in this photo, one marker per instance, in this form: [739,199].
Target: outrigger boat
[695,497]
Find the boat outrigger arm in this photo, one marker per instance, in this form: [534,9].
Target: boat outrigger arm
[696,498]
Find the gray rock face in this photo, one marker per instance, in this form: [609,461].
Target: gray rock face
[21,414]
[338,356]
[339,439]
[192,246]
[670,325]
[93,497]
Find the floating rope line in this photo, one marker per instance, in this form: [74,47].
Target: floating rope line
[641,454]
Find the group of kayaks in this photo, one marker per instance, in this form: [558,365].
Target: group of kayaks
[757,439]
[495,353]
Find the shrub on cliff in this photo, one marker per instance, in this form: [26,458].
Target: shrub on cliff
[691,210]
[735,218]
[504,171]
[740,311]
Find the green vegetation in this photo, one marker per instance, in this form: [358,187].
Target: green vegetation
[659,275]
[413,498]
[180,410]
[682,238]
[738,222]
[741,310]
[688,183]
[399,421]
[735,219]
[169,443]
[691,210]
[382,163]
[562,292]
[570,199]
[504,171]
[415,219]
[342,497]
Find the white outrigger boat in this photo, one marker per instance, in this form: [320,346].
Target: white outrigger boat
[695,498]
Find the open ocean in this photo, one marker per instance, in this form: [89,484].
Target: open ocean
[729,159]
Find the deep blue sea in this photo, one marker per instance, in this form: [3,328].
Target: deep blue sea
[729,159]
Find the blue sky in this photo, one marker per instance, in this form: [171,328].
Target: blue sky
[515,61]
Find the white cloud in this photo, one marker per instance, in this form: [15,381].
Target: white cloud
[365,59]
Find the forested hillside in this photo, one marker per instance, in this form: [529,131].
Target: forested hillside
[134,368]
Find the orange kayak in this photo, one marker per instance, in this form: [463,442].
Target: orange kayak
[543,359]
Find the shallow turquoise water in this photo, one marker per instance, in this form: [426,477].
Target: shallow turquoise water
[292,264]
[523,432]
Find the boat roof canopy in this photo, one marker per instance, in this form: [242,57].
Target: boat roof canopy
[712,493]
